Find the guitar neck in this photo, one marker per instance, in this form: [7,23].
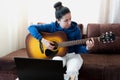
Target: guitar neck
[75,42]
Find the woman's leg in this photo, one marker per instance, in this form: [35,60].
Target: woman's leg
[73,64]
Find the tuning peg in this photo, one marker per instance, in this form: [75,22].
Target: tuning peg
[104,42]
[111,40]
[110,32]
[106,33]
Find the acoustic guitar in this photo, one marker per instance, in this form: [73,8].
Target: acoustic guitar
[36,49]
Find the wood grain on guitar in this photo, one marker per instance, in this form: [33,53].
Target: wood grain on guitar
[60,41]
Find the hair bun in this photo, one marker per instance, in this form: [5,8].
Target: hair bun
[58,5]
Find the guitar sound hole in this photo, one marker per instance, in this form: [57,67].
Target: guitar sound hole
[50,53]
[55,45]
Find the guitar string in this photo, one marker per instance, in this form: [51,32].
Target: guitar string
[75,42]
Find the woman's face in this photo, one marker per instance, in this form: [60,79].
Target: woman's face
[65,21]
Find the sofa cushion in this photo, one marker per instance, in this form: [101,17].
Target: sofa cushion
[93,65]
[95,30]
[102,66]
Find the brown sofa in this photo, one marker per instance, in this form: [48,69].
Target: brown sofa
[103,61]
[100,63]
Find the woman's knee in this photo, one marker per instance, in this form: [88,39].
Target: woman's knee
[60,58]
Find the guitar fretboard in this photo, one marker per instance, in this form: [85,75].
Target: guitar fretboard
[75,42]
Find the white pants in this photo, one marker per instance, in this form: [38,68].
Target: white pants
[73,63]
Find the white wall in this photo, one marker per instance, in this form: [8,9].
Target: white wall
[83,11]
[4,29]
[13,23]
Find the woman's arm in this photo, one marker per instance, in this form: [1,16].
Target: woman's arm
[35,32]
[36,29]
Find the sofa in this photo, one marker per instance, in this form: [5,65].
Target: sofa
[103,61]
[100,63]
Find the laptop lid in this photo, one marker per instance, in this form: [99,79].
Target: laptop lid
[39,69]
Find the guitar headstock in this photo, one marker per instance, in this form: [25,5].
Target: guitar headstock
[107,37]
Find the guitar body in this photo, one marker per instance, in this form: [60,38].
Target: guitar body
[34,50]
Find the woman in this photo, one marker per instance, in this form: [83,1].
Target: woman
[72,60]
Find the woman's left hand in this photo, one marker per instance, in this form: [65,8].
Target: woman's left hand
[89,43]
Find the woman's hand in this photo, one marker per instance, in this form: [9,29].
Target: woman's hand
[89,43]
[47,44]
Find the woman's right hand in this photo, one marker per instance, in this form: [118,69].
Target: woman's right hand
[47,44]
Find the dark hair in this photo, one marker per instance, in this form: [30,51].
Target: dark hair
[60,10]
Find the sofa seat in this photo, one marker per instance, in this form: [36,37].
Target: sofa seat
[100,67]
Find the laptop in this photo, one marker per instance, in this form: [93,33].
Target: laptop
[39,69]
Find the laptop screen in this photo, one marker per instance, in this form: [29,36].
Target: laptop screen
[39,69]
